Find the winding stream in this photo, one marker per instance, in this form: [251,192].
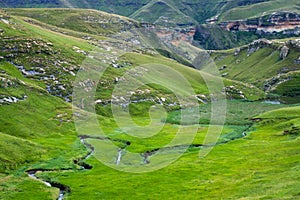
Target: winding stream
[63,189]
[119,156]
[273,102]
[32,175]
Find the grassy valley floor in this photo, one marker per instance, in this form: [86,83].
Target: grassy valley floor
[255,157]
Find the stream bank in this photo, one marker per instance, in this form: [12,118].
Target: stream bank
[63,189]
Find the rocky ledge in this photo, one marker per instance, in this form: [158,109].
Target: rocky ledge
[278,22]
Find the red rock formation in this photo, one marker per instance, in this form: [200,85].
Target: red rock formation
[174,35]
[277,22]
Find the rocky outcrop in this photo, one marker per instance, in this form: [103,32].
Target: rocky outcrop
[43,63]
[109,22]
[297,61]
[237,51]
[275,81]
[6,82]
[284,52]
[175,35]
[294,43]
[257,44]
[233,93]
[7,98]
[283,22]
[11,99]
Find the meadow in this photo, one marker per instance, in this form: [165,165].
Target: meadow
[256,155]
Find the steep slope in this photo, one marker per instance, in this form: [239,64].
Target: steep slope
[219,24]
[36,129]
[172,16]
[121,7]
[120,43]
[270,65]
[229,34]
[256,10]
[91,22]
[199,10]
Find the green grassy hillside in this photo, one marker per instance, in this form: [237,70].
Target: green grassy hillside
[167,13]
[256,155]
[186,12]
[261,64]
[92,21]
[256,10]
[172,16]
[35,130]
[213,37]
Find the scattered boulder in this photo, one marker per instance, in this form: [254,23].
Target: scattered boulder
[72,73]
[225,74]
[283,70]
[5,21]
[1,32]
[202,98]
[273,82]
[294,43]
[11,99]
[296,61]
[78,50]
[233,93]
[251,50]
[284,52]
[223,67]
[98,101]
[237,51]
[257,44]
[115,66]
